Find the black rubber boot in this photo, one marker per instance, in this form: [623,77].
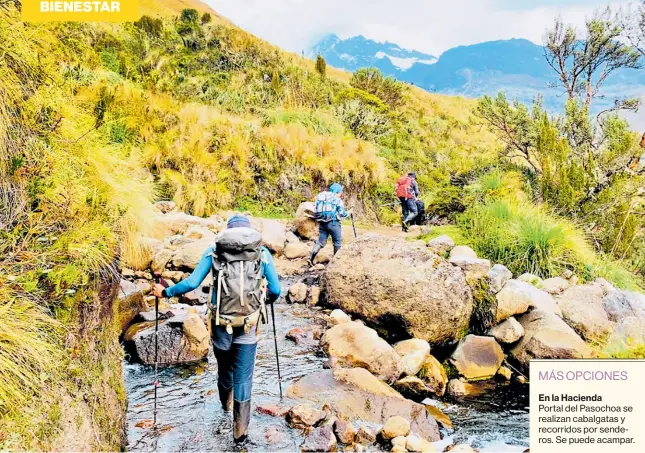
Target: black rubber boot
[241,419]
[336,249]
[317,248]
[226,397]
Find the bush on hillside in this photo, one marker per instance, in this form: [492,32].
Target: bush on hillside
[364,121]
[503,226]
[589,173]
[388,89]
[321,66]
[152,26]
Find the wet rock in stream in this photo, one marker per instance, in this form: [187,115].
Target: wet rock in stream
[361,396]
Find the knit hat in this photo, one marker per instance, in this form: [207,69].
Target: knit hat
[336,188]
[238,221]
[412,175]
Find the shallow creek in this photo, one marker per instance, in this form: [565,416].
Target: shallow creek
[190,417]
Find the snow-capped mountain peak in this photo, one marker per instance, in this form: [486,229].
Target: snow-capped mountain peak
[359,52]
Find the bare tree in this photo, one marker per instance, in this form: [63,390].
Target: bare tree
[633,21]
[583,62]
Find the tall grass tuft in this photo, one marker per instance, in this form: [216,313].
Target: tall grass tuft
[526,237]
[29,351]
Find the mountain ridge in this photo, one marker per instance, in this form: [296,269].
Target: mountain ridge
[515,66]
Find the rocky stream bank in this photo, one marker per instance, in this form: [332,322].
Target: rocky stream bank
[380,339]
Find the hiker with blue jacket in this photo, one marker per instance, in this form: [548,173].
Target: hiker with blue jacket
[244,279]
[329,212]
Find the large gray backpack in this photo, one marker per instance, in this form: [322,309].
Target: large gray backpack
[238,280]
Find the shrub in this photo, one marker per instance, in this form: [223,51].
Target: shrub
[362,120]
[152,26]
[189,15]
[321,66]
[388,89]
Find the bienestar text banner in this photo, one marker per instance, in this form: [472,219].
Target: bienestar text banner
[80,10]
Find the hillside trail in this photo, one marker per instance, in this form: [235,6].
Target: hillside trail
[191,419]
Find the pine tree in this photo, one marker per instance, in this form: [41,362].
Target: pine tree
[321,66]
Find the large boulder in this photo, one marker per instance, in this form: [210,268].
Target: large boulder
[474,268]
[306,226]
[621,304]
[547,336]
[441,245]
[291,238]
[353,344]
[555,285]
[295,250]
[418,444]
[359,395]
[274,235]
[187,256]
[197,232]
[463,251]
[434,376]
[197,296]
[413,354]
[161,258]
[304,416]
[325,255]
[178,222]
[338,317]
[298,292]
[497,278]
[412,387]
[531,279]
[391,282]
[582,308]
[182,338]
[128,309]
[516,297]
[396,426]
[477,357]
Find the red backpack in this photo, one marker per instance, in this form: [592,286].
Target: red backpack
[404,187]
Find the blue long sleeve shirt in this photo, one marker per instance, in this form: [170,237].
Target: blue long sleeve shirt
[415,188]
[203,268]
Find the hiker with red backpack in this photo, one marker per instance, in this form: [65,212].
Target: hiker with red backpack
[407,191]
[244,280]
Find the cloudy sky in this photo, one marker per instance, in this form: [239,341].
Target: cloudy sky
[431,26]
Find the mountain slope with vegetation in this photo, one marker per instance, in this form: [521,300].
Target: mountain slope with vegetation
[98,121]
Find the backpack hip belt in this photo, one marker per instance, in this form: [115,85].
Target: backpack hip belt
[247,322]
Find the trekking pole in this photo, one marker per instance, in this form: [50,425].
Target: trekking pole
[277,356]
[354,226]
[156,383]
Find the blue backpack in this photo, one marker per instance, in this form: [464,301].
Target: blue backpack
[326,207]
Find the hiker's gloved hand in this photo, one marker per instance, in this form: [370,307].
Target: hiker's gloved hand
[350,212]
[157,290]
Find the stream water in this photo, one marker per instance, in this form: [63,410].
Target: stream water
[190,417]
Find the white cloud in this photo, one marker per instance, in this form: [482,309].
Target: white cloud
[431,26]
